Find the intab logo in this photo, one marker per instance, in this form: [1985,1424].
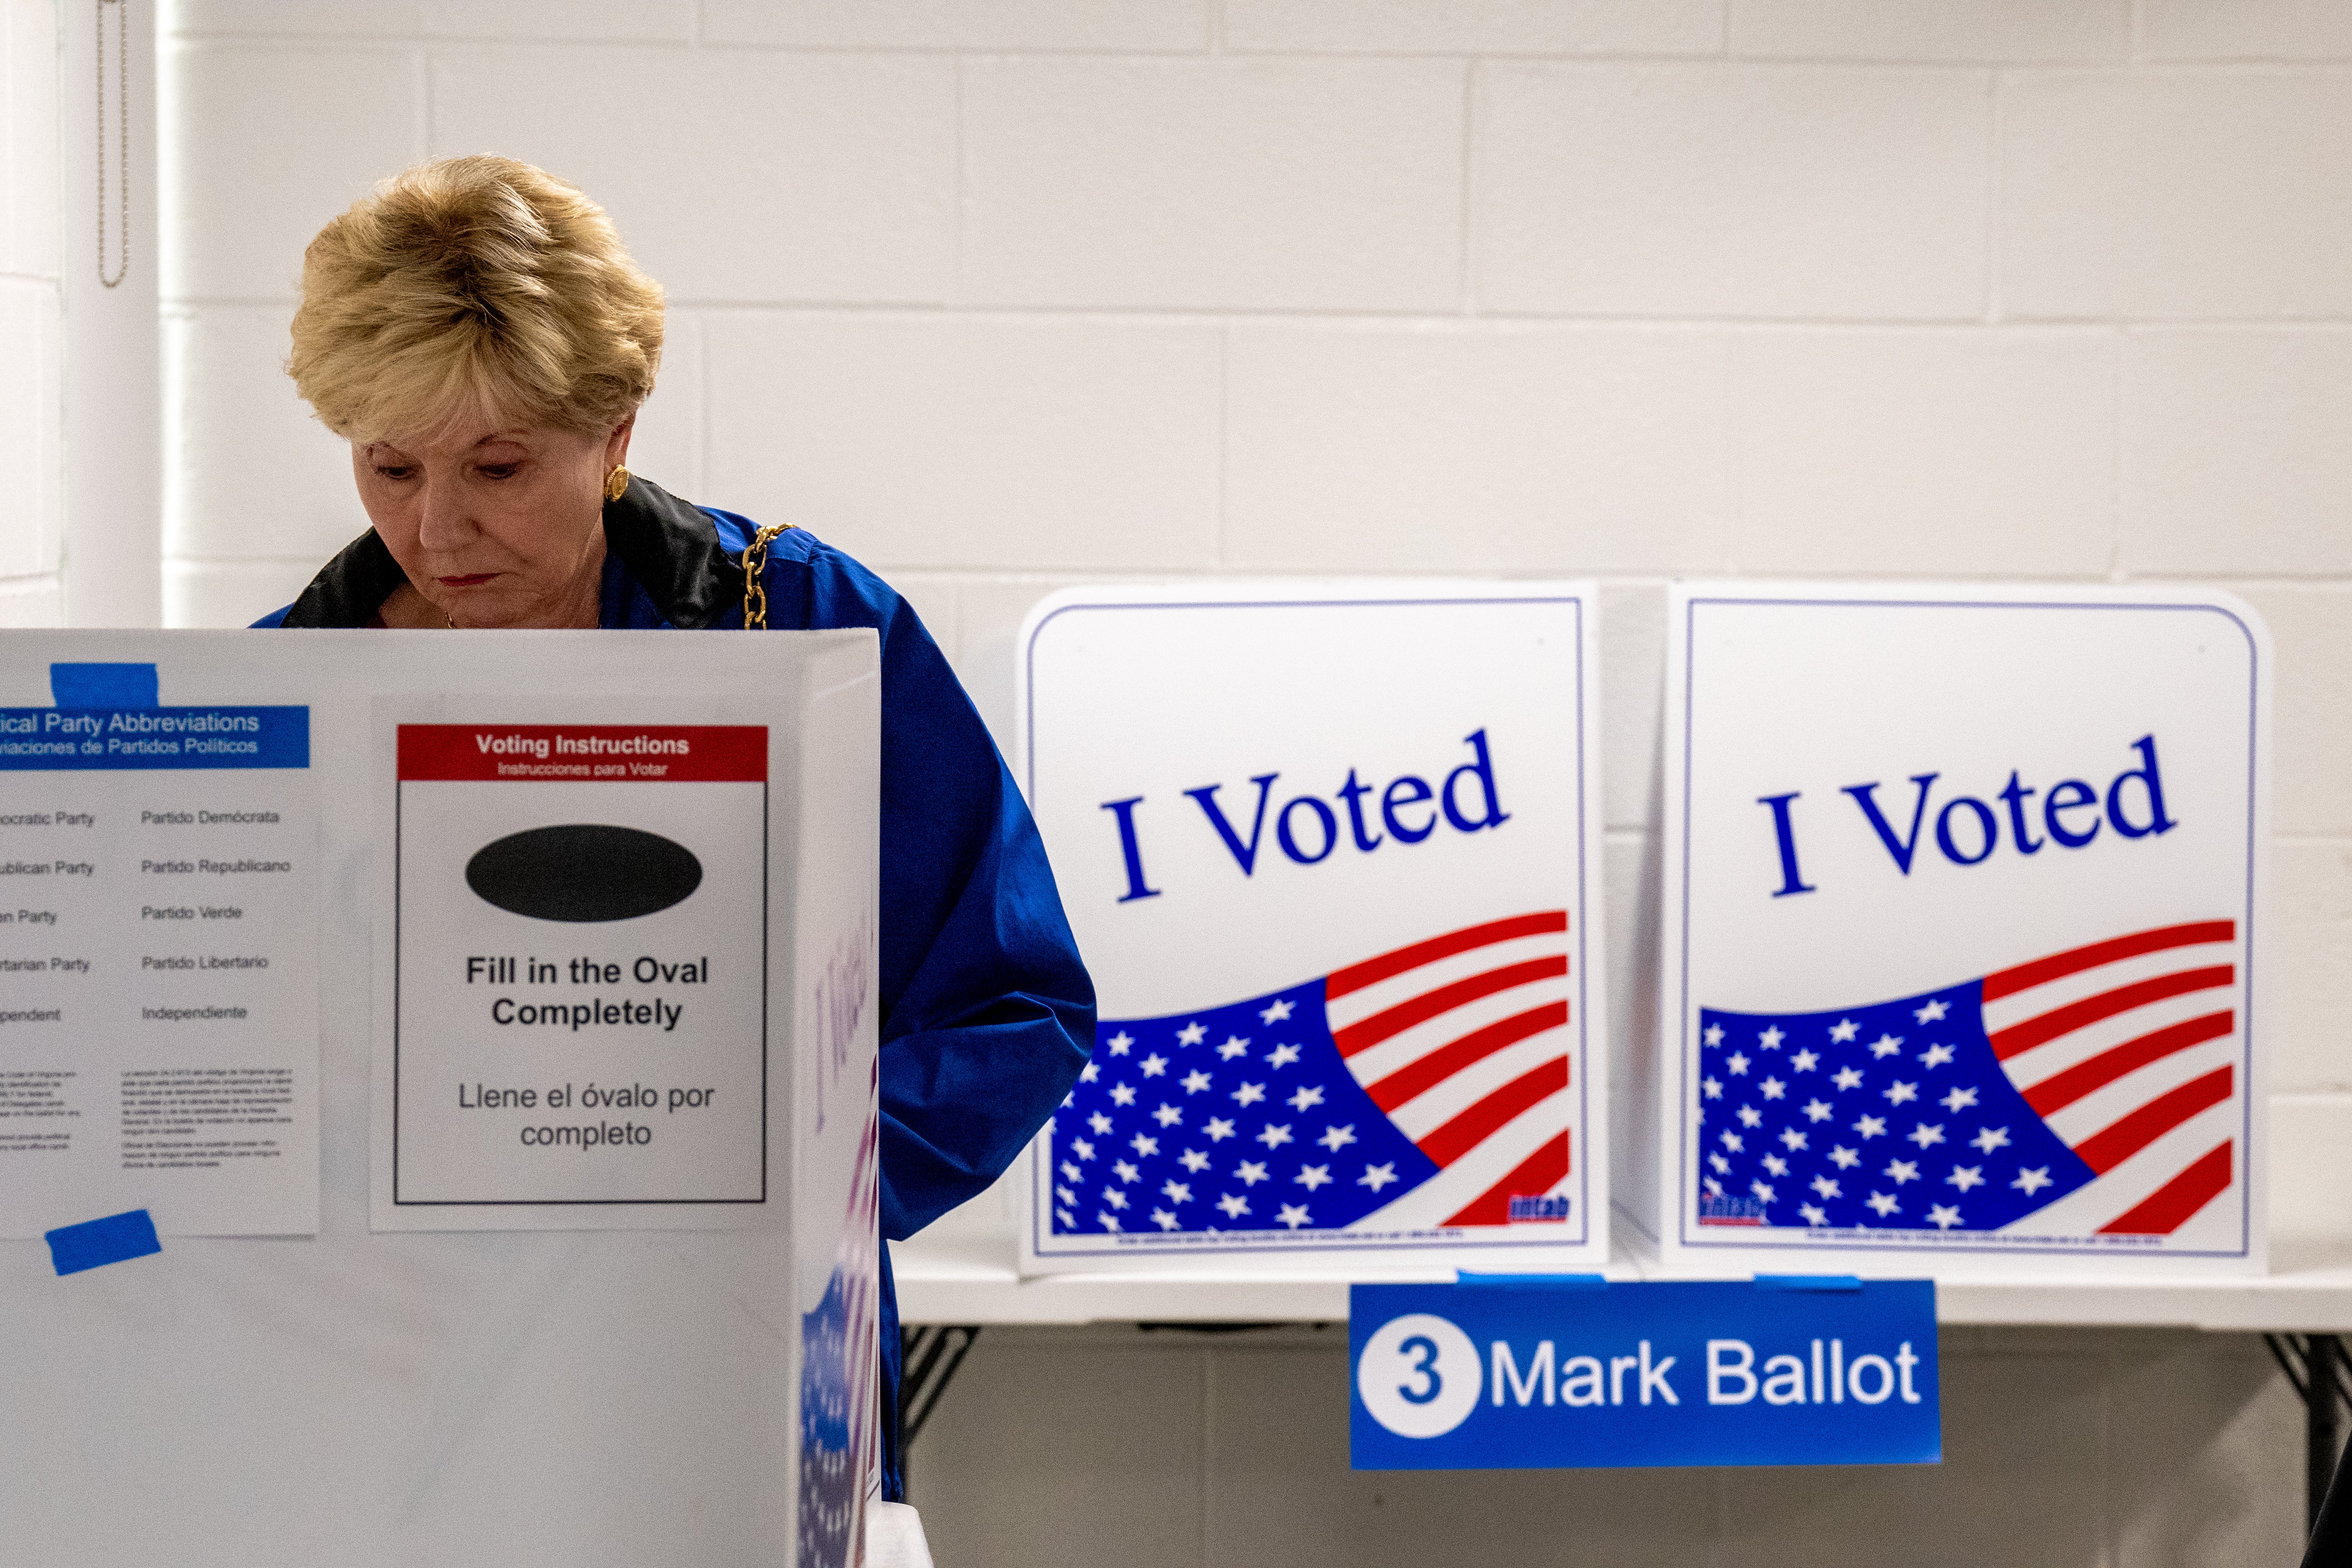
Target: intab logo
[1419,1376]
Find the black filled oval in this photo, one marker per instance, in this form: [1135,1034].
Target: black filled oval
[584,871]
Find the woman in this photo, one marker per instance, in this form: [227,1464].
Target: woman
[476,330]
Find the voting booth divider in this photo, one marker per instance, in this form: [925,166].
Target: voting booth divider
[437,1097]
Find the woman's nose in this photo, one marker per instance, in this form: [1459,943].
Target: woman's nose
[443,521]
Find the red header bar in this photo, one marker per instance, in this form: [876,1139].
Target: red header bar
[608,753]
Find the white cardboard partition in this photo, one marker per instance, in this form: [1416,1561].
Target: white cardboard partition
[485,1022]
[1330,851]
[1964,931]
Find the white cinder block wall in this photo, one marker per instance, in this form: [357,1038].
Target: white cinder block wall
[1005,294]
[32,387]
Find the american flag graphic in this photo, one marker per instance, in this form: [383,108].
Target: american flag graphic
[1422,1088]
[2106,1077]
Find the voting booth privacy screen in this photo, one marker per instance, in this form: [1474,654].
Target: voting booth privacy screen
[1330,851]
[437,1097]
[1963,940]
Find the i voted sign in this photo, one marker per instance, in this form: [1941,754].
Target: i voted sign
[1962,909]
[1531,1375]
[1331,852]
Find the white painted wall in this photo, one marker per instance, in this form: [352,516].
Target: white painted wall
[32,322]
[1005,294]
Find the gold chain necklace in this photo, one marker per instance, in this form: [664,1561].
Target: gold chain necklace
[755,568]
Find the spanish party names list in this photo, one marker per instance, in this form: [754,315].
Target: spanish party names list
[158,1038]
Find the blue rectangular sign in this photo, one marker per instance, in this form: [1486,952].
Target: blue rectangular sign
[119,738]
[1557,1375]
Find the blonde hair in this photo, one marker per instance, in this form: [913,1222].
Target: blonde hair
[474,284]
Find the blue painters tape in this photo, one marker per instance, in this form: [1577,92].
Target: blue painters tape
[104,686]
[1548,1281]
[1808,1282]
[97,1242]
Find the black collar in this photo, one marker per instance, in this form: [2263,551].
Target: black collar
[672,549]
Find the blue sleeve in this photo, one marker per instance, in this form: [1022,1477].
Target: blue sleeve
[276,617]
[986,1011]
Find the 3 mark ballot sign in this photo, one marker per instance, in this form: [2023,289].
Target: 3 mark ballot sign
[1962,908]
[1535,1376]
[1330,851]
[580,941]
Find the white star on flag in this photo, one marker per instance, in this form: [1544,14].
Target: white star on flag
[1089,1073]
[1192,1033]
[1944,1216]
[1338,1138]
[1805,1061]
[1777,1166]
[1792,1139]
[1234,1046]
[1750,1117]
[1282,1055]
[1965,1176]
[1871,1126]
[1737,1063]
[1124,1171]
[1959,1099]
[1219,1129]
[1885,1046]
[1817,1111]
[1122,1094]
[2033,1181]
[1771,1039]
[1711,1086]
[1901,1093]
[1989,1139]
[1119,1043]
[1883,1204]
[1312,1095]
[1275,1012]
[1163,1219]
[1250,1172]
[1937,1056]
[1931,1012]
[1845,1029]
[1903,1171]
[1926,1133]
[1114,1198]
[1249,1093]
[1167,1115]
[1774,1088]
[1826,1187]
[1713,1034]
[1847,1078]
[1293,1214]
[1083,1149]
[1106,1220]
[1195,1082]
[1143,1145]
[1099,1122]
[1234,1205]
[1275,1136]
[1814,1214]
[1194,1160]
[1312,1176]
[1154,1064]
[1177,1191]
[1378,1176]
[1844,1158]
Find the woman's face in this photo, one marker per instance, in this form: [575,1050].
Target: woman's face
[495,526]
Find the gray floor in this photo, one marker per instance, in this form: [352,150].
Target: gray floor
[2078,1448]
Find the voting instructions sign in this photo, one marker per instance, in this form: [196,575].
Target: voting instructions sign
[1535,1374]
[1962,917]
[1331,852]
[438,1072]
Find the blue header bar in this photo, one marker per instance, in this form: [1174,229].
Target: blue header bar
[122,739]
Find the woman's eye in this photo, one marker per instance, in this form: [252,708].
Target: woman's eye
[391,471]
[499,470]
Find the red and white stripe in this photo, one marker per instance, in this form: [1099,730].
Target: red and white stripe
[2130,1049]
[1462,1041]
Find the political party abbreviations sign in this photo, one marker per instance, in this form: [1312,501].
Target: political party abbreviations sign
[1809,1371]
[1330,852]
[1962,899]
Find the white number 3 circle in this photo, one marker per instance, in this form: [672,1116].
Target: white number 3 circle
[1419,1376]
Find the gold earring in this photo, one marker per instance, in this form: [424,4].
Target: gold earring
[617,484]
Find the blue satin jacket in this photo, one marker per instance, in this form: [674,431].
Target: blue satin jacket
[986,1010]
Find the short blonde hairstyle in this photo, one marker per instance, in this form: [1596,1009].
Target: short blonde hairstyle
[474,284]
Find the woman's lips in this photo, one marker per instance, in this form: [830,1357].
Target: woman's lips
[469,581]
